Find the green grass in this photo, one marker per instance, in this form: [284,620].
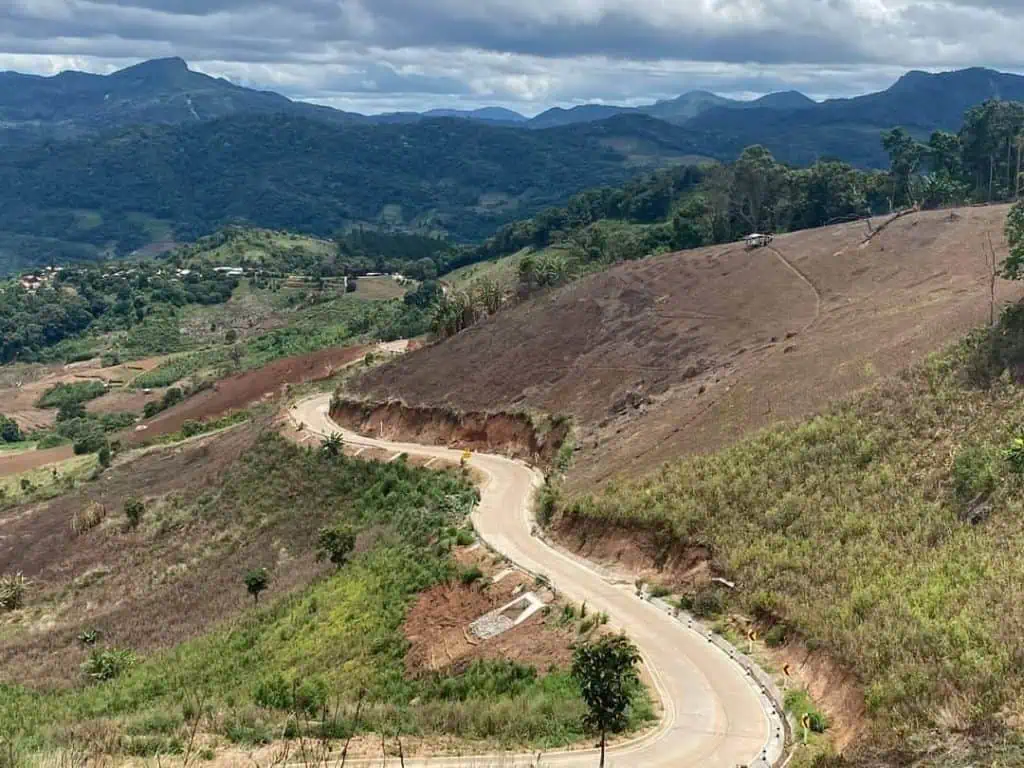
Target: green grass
[257,247]
[867,531]
[325,642]
[333,323]
[42,483]
[504,270]
[73,392]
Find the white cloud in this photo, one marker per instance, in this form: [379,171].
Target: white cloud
[379,55]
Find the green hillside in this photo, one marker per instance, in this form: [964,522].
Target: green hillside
[457,177]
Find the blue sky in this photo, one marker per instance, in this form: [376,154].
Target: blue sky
[384,55]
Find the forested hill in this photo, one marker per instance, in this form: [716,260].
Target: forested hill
[455,177]
[159,92]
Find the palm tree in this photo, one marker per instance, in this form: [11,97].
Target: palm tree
[333,445]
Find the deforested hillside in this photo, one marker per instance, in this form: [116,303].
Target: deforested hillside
[683,353]
[876,547]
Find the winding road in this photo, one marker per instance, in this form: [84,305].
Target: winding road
[716,712]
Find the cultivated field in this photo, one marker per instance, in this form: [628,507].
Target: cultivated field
[685,352]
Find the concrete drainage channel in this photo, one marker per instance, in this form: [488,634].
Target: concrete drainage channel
[507,617]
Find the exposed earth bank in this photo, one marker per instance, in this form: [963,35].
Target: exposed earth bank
[518,435]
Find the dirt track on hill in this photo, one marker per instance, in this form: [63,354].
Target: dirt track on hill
[686,352]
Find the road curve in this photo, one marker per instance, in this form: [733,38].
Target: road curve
[715,714]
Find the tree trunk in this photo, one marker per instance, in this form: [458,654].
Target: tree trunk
[991,175]
[1016,185]
[604,739]
[1009,162]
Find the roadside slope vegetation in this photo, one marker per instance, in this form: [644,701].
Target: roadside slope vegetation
[885,532]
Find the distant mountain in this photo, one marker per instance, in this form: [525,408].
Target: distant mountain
[687,106]
[679,110]
[585,113]
[781,100]
[851,128]
[487,115]
[158,92]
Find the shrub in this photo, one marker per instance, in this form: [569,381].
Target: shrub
[84,520]
[10,432]
[64,394]
[335,544]
[171,397]
[108,663]
[70,411]
[12,591]
[91,440]
[151,409]
[51,440]
[274,693]
[115,422]
[465,538]
[659,590]
[191,428]
[471,575]
[88,638]
[256,581]
[974,473]
[707,603]
[1014,455]
[133,510]
[104,456]
[776,636]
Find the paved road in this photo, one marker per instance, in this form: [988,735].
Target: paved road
[715,715]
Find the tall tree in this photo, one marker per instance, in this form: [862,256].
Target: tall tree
[757,180]
[904,162]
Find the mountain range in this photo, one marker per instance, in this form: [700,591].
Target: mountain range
[157,153]
[166,91]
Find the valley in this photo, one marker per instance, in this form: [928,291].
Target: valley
[688,429]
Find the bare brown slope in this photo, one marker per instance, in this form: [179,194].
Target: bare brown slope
[685,352]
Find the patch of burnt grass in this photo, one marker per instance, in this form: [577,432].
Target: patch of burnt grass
[885,531]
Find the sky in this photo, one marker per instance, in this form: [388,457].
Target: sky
[388,55]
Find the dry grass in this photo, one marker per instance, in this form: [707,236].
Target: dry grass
[684,353]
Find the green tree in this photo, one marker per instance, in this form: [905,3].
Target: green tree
[757,179]
[70,410]
[1013,266]
[10,432]
[606,673]
[335,543]
[133,510]
[904,162]
[256,582]
[334,445]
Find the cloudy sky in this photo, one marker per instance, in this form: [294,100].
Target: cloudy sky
[384,55]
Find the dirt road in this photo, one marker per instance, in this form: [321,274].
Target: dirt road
[715,714]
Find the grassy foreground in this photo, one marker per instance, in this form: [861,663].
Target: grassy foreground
[886,532]
[312,654]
